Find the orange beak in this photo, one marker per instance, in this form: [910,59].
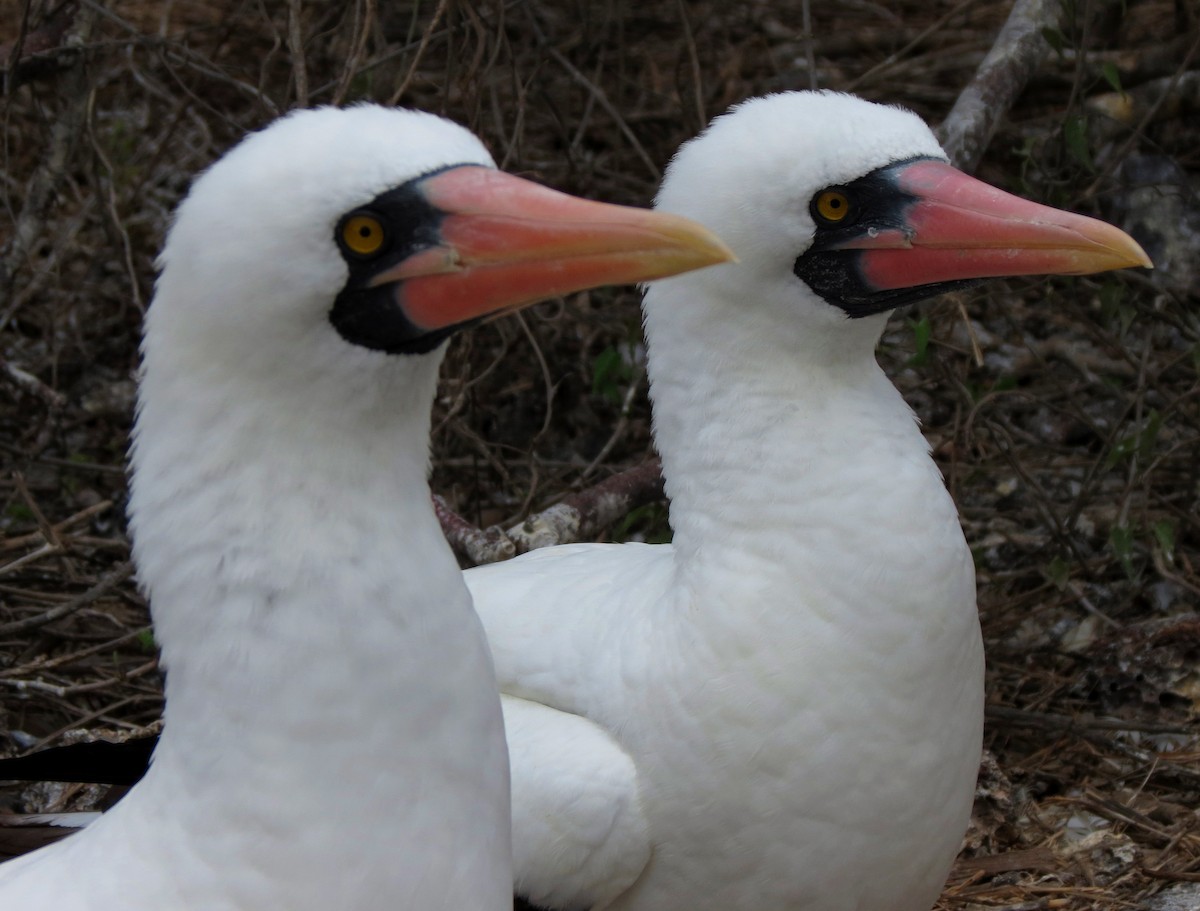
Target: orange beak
[958,228]
[503,243]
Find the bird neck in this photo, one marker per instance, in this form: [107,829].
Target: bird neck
[318,641]
[791,461]
[313,623]
[244,508]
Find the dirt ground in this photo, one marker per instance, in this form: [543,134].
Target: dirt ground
[1065,414]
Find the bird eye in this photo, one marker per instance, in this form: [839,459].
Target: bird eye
[363,234]
[833,205]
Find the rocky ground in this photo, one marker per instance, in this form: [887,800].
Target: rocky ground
[1065,414]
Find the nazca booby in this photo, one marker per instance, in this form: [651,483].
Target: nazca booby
[333,735]
[782,708]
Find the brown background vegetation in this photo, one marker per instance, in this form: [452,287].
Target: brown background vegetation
[1065,414]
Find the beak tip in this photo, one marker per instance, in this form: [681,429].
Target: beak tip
[701,244]
[1135,256]
[722,253]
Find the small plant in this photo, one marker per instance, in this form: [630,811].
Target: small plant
[1075,129]
[610,371]
[1058,572]
[922,329]
[19,512]
[647,523]
[1164,535]
[1111,76]
[1115,307]
[1140,443]
[1120,542]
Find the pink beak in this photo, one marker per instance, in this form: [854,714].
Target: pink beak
[960,228]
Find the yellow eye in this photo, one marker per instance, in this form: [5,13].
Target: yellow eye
[832,205]
[362,234]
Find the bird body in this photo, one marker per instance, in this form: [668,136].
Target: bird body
[332,734]
[784,695]
[271,462]
[783,707]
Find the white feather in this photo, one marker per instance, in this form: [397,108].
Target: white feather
[315,670]
[797,680]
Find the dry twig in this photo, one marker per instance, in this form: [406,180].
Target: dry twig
[1016,54]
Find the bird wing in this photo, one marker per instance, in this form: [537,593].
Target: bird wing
[570,631]
[568,624]
[580,837]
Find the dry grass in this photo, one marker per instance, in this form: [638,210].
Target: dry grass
[1065,414]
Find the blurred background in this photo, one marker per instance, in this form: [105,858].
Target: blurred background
[1065,414]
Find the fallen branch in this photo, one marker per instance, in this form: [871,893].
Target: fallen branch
[1183,876]
[1066,724]
[1090,730]
[61,691]
[65,133]
[42,52]
[579,516]
[584,514]
[107,583]
[1016,54]
[27,382]
[39,537]
[479,545]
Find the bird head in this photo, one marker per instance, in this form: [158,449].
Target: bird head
[336,239]
[840,210]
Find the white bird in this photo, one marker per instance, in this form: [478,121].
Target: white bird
[332,734]
[782,709]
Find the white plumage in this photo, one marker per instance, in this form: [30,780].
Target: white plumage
[783,708]
[271,463]
[333,736]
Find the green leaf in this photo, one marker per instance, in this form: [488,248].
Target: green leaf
[1164,534]
[1121,450]
[1141,442]
[1120,542]
[19,512]
[1055,39]
[1112,77]
[921,331]
[1114,306]
[1149,435]
[652,521]
[1075,134]
[609,370]
[1026,153]
[1058,571]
